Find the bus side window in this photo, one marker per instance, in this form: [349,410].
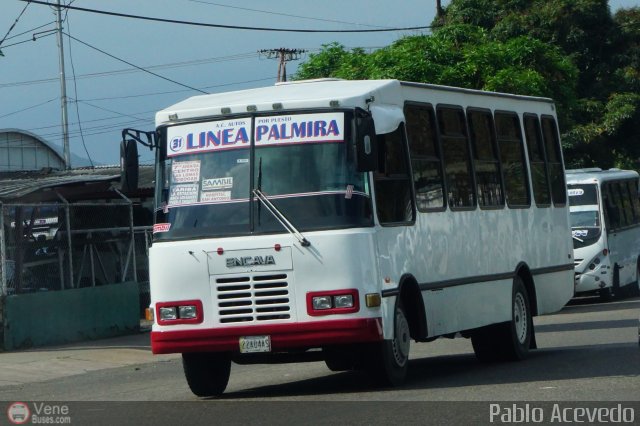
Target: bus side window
[457,158]
[424,151]
[554,159]
[392,182]
[625,203]
[513,160]
[611,208]
[537,161]
[485,158]
[635,201]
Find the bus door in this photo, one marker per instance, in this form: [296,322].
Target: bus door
[620,232]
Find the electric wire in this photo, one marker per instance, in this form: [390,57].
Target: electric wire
[233,27]
[14,23]
[75,92]
[285,14]
[28,31]
[28,108]
[135,66]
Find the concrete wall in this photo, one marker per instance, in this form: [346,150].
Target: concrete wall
[55,317]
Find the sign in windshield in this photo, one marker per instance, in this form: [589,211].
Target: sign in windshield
[583,195]
[275,130]
[302,162]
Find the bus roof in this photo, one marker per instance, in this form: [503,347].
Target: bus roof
[321,93]
[595,175]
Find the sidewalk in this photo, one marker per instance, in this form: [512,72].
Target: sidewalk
[51,362]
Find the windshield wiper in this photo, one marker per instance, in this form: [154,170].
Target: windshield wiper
[576,238]
[280,217]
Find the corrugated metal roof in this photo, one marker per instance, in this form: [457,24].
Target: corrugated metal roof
[15,185]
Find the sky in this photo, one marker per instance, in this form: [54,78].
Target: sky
[108,94]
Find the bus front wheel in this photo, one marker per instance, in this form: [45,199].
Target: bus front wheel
[389,362]
[508,341]
[207,373]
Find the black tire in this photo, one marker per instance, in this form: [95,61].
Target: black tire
[338,359]
[605,294]
[389,361]
[207,374]
[511,340]
[634,287]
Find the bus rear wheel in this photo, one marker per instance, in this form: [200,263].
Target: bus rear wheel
[207,373]
[508,341]
[389,362]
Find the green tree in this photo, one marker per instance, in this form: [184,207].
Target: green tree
[460,55]
[600,127]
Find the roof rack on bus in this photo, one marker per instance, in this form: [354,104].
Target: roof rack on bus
[586,170]
[314,80]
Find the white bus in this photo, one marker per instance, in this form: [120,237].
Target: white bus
[340,220]
[605,225]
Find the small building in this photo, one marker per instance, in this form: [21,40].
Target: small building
[73,246]
[21,150]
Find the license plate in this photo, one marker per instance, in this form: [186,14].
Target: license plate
[249,344]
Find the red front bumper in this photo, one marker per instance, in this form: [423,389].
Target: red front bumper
[283,336]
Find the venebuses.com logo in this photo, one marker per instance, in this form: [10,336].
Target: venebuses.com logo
[20,413]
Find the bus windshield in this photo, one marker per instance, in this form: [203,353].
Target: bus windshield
[303,163]
[584,214]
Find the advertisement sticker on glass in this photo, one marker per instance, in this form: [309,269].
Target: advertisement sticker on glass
[215,184]
[185,171]
[183,194]
[215,196]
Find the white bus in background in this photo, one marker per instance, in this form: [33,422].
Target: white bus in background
[340,220]
[605,225]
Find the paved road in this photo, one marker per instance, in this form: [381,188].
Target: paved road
[588,351]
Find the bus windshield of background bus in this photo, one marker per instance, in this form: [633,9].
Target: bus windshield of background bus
[303,163]
[584,213]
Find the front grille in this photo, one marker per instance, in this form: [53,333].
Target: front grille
[576,262]
[252,298]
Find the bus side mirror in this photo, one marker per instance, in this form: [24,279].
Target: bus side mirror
[366,145]
[128,165]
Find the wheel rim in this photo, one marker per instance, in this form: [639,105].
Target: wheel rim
[402,340]
[520,319]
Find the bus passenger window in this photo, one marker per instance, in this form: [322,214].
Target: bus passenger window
[485,159]
[457,158]
[554,159]
[537,163]
[635,201]
[512,157]
[394,201]
[424,151]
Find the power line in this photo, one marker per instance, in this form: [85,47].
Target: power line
[75,93]
[239,56]
[233,27]
[138,95]
[14,24]
[285,14]
[28,31]
[135,66]
[28,40]
[28,108]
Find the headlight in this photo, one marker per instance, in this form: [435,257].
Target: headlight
[322,302]
[343,301]
[168,313]
[187,312]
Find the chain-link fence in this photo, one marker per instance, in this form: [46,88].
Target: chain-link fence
[47,247]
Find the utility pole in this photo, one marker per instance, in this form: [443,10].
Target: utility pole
[283,55]
[63,92]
